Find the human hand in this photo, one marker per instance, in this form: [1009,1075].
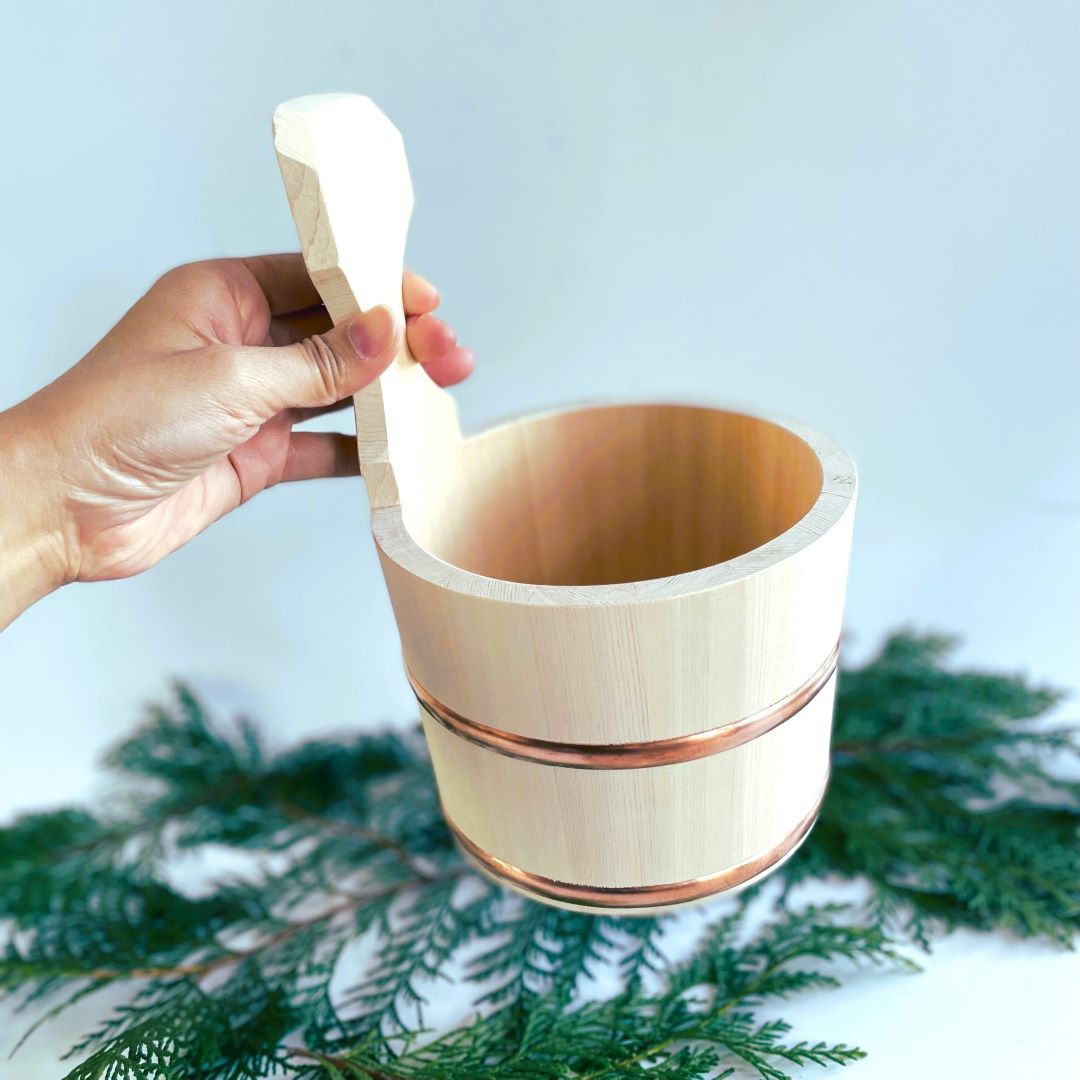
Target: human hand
[184,411]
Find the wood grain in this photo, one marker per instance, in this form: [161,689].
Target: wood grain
[603,575]
[348,185]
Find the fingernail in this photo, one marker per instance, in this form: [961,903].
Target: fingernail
[371,332]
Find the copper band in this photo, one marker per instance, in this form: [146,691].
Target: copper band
[639,896]
[634,755]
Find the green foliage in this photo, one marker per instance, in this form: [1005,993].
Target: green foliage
[348,910]
[942,795]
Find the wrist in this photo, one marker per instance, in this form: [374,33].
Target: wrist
[33,546]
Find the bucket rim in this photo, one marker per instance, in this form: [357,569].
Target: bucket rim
[834,503]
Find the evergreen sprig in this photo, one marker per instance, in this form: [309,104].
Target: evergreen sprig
[944,795]
[348,910]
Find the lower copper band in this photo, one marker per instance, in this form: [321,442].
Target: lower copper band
[639,896]
[635,755]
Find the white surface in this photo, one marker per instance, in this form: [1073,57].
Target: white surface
[874,211]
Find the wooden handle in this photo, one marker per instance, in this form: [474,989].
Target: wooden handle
[347,180]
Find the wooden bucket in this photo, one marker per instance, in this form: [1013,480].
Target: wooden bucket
[621,622]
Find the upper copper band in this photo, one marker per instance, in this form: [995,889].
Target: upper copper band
[632,755]
[640,896]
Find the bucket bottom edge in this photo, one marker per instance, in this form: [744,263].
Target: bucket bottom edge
[635,899]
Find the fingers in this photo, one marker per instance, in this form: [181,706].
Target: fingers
[431,341]
[284,281]
[294,327]
[434,344]
[287,287]
[452,367]
[312,367]
[418,295]
[456,366]
[260,382]
[316,454]
[429,337]
[298,315]
[272,457]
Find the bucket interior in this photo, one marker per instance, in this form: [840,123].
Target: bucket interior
[606,495]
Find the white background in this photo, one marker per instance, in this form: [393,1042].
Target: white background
[861,215]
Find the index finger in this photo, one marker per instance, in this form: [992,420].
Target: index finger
[418,295]
[284,281]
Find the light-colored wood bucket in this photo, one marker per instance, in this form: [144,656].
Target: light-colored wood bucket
[621,622]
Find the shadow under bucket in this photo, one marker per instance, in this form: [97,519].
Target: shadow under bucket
[621,622]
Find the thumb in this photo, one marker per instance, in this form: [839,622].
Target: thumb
[317,371]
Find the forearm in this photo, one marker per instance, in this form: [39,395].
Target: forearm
[31,547]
